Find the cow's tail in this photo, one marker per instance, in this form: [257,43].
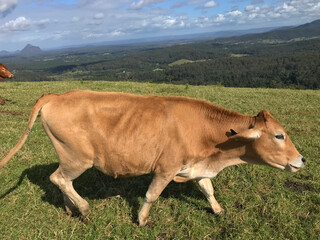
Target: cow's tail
[33,116]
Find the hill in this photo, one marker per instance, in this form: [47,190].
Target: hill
[30,50]
[308,30]
[4,53]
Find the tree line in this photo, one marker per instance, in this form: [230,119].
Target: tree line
[294,64]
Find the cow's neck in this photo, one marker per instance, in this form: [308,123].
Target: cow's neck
[217,153]
[224,153]
[210,166]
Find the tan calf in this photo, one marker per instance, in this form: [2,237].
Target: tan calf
[176,138]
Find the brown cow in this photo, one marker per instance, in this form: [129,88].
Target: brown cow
[176,138]
[4,73]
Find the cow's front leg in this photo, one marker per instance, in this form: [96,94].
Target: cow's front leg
[206,188]
[157,185]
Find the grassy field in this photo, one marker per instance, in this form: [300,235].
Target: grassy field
[259,202]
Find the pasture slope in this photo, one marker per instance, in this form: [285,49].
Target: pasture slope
[259,202]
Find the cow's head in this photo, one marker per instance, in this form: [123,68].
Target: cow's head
[267,143]
[4,72]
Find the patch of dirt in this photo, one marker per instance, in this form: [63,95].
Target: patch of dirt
[239,206]
[298,187]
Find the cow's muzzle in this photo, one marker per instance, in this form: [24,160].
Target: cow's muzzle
[295,165]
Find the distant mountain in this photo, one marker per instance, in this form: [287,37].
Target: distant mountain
[4,53]
[308,30]
[30,50]
[169,40]
[256,34]
[231,33]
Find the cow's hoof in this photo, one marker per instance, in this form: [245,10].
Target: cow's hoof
[72,211]
[84,212]
[142,222]
[219,212]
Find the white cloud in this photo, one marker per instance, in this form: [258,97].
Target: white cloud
[93,35]
[169,22]
[7,6]
[116,33]
[166,22]
[187,3]
[234,13]
[194,2]
[315,8]
[22,24]
[143,3]
[19,24]
[220,18]
[75,19]
[102,4]
[37,36]
[210,4]
[260,14]
[252,16]
[99,20]
[287,8]
[98,16]
[252,9]
[60,34]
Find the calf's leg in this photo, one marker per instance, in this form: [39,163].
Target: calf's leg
[206,188]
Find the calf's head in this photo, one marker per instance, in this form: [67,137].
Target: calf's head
[267,143]
[4,72]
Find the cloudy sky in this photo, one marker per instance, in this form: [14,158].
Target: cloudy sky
[56,23]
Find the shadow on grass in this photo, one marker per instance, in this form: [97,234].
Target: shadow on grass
[93,184]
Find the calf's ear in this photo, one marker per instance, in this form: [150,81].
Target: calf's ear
[247,135]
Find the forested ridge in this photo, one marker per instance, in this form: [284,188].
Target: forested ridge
[293,64]
[276,59]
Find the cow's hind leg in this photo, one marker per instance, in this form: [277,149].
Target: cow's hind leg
[73,201]
[71,209]
[206,188]
[157,185]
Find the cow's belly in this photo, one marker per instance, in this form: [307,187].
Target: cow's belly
[121,169]
[127,160]
[197,171]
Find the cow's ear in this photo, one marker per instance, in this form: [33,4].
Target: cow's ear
[264,114]
[247,135]
[233,132]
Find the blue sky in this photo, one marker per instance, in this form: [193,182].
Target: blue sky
[57,23]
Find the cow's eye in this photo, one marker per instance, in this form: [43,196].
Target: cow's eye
[280,136]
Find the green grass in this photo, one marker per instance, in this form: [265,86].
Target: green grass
[260,202]
[239,55]
[184,61]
